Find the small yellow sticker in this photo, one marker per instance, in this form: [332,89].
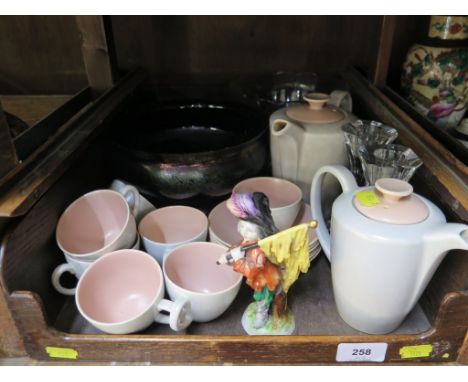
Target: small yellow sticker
[367,198]
[416,351]
[61,352]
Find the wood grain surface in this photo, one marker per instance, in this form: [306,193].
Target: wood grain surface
[32,108]
[97,47]
[11,341]
[8,157]
[40,55]
[248,44]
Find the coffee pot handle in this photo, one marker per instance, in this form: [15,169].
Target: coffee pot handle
[347,182]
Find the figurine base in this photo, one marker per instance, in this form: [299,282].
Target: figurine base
[274,326]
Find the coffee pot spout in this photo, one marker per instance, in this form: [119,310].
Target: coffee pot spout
[437,243]
[444,238]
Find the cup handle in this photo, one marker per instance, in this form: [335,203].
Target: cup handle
[179,314]
[132,196]
[57,273]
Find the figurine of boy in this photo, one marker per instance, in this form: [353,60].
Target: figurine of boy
[261,274]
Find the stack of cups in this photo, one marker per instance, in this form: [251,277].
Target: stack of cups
[121,289]
[286,205]
[95,224]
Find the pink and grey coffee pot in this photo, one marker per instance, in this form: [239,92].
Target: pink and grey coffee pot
[384,245]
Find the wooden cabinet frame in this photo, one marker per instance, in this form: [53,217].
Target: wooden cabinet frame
[444,173]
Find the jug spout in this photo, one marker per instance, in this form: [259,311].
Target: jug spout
[286,147]
[282,127]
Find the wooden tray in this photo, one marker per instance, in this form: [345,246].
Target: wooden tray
[44,318]
[48,319]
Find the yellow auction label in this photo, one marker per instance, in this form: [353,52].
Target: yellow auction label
[418,351]
[61,352]
[367,198]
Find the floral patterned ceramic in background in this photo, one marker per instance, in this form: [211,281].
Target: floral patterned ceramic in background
[435,78]
[449,27]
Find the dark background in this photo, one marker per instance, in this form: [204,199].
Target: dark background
[42,54]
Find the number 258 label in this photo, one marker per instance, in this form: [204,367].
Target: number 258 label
[361,352]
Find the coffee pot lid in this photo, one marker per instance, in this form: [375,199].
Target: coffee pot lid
[391,201]
[315,111]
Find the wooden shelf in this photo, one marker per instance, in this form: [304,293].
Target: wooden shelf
[40,188]
[32,108]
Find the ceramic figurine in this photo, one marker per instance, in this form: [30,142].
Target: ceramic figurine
[271,262]
[435,77]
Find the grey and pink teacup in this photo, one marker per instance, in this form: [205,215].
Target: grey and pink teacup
[169,227]
[123,292]
[93,225]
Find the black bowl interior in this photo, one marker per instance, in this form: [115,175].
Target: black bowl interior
[189,127]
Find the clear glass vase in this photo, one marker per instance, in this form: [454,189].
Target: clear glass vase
[367,134]
[387,161]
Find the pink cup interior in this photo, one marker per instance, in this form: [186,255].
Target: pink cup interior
[119,286]
[92,222]
[193,267]
[280,192]
[173,224]
[224,224]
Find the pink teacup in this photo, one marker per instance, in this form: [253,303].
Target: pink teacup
[223,226]
[122,292]
[191,273]
[284,196]
[97,223]
[166,228]
[75,267]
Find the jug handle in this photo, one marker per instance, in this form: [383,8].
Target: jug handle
[347,182]
[341,99]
